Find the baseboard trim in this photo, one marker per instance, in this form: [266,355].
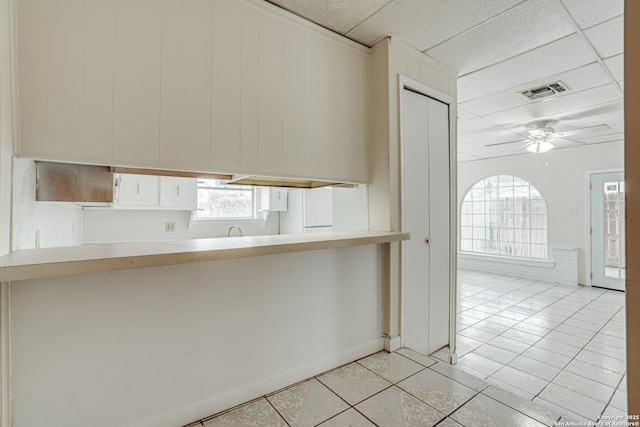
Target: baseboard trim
[392,344]
[209,406]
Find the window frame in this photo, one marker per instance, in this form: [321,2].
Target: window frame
[236,219]
[497,214]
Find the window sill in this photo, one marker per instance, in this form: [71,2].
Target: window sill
[543,263]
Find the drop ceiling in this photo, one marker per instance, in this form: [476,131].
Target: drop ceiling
[501,48]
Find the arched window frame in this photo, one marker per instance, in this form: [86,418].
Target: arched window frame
[497,219]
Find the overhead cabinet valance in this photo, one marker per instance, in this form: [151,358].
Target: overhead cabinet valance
[232,86]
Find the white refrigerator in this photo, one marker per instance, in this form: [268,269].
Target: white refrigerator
[325,209]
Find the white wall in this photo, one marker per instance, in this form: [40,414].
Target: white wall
[168,345]
[6,127]
[112,225]
[562,182]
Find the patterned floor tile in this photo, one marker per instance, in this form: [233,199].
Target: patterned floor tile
[438,391]
[307,404]
[482,411]
[390,366]
[353,382]
[349,418]
[397,408]
[254,414]
[448,422]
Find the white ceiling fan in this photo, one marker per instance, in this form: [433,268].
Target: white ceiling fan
[543,138]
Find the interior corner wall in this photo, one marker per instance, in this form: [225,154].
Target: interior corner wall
[563,184]
[389,60]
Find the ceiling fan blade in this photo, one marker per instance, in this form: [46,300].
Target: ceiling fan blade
[567,143]
[581,131]
[506,143]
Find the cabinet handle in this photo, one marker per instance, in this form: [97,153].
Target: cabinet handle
[137,188]
[177,190]
[427,240]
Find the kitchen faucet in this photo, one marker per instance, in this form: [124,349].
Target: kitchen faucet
[231,228]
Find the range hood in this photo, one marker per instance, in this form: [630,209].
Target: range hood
[65,182]
[266,181]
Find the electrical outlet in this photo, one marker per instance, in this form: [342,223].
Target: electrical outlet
[169,226]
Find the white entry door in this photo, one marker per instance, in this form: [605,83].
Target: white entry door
[426,215]
[607,230]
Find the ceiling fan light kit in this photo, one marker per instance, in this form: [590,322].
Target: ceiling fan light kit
[541,145]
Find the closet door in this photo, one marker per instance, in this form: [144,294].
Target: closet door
[426,210]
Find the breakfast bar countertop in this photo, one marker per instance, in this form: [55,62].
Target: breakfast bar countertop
[63,261]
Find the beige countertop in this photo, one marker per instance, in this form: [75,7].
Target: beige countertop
[53,262]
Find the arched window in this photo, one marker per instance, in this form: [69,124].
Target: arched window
[504,215]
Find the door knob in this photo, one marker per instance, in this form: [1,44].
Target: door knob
[427,240]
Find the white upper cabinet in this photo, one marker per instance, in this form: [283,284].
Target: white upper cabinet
[136,191]
[136,98]
[176,192]
[50,60]
[228,86]
[185,113]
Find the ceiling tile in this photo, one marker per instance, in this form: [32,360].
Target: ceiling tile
[602,138]
[464,115]
[562,55]
[472,141]
[607,38]
[554,108]
[425,23]
[463,157]
[591,12]
[582,78]
[474,125]
[337,15]
[615,64]
[518,30]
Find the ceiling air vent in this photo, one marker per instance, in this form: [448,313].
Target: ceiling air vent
[546,90]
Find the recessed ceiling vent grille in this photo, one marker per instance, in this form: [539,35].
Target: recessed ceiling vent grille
[546,90]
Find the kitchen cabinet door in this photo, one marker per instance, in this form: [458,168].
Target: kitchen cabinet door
[176,192]
[249,75]
[295,91]
[136,98]
[226,81]
[136,191]
[50,77]
[185,116]
[97,80]
[270,98]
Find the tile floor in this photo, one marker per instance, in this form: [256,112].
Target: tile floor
[560,346]
[530,353]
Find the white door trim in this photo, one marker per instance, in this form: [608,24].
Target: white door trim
[587,209]
[407,83]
